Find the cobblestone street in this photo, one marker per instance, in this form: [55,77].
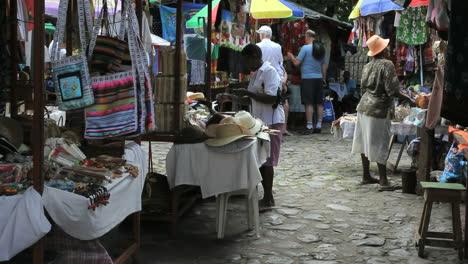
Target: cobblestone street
[323,216]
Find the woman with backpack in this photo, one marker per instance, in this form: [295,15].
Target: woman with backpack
[313,73]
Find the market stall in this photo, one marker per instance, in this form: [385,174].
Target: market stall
[86,195]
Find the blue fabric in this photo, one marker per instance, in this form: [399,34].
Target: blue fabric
[168,21]
[351,85]
[310,67]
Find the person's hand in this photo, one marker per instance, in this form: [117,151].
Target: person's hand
[290,55]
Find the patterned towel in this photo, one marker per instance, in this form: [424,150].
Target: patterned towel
[114,112]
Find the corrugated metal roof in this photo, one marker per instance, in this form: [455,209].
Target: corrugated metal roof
[309,13]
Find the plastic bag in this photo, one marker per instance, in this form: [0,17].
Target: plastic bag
[328,111]
[454,165]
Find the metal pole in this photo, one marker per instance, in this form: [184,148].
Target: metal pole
[38,121]
[208,53]
[14,55]
[177,66]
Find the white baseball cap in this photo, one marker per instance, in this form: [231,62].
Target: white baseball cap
[265,30]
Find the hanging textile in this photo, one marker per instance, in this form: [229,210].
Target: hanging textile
[197,74]
[412,28]
[189,10]
[456,69]
[168,21]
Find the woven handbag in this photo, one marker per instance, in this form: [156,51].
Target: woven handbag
[107,53]
[70,74]
[121,99]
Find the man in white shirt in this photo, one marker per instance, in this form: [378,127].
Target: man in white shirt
[271,52]
[264,90]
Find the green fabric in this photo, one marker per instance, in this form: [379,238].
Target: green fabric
[441,185]
[49,28]
[215,52]
[413,29]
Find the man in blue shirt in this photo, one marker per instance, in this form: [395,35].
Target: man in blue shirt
[313,74]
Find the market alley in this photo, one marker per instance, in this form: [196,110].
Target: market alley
[323,216]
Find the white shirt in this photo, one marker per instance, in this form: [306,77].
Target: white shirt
[271,52]
[271,81]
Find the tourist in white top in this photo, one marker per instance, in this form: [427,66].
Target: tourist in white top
[271,52]
[263,90]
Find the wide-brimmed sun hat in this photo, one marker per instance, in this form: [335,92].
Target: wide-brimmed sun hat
[376,45]
[227,133]
[246,120]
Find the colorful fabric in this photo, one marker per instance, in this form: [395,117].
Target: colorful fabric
[107,55]
[114,112]
[412,29]
[189,10]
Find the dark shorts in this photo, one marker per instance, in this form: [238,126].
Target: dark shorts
[275,146]
[312,91]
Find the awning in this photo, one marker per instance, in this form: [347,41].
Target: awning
[268,9]
[369,7]
[51,7]
[311,14]
[196,20]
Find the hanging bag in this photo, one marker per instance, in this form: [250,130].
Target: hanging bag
[70,74]
[121,103]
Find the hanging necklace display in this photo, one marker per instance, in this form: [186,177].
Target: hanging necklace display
[70,74]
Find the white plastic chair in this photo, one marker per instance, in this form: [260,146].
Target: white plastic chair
[253,213]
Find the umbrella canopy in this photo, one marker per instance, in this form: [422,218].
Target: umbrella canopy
[267,9]
[369,7]
[51,7]
[356,11]
[416,3]
[195,22]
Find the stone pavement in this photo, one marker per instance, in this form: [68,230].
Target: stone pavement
[323,216]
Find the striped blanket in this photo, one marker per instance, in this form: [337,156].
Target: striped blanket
[114,112]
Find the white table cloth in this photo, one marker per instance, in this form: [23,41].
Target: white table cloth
[216,173]
[397,128]
[70,211]
[22,222]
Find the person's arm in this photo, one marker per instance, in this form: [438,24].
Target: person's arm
[271,85]
[324,72]
[285,79]
[297,61]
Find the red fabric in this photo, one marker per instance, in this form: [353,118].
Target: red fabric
[30,8]
[461,133]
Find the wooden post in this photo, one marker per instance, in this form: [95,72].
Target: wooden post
[14,56]
[38,120]
[177,72]
[425,156]
[207,91]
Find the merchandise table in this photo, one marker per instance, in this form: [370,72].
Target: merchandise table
[348,124]
[70,211]
[22,222]
[214,172]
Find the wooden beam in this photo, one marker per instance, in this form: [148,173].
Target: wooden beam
[14,55]
[38,119]
[207,91]
[425,156]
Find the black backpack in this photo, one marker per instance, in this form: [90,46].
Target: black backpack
[318,50]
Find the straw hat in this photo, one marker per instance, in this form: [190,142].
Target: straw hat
[226,132]
[250,124]
[376,45]
[195,96]
[211,129]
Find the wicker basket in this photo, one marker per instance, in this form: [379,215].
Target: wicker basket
[165,117]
